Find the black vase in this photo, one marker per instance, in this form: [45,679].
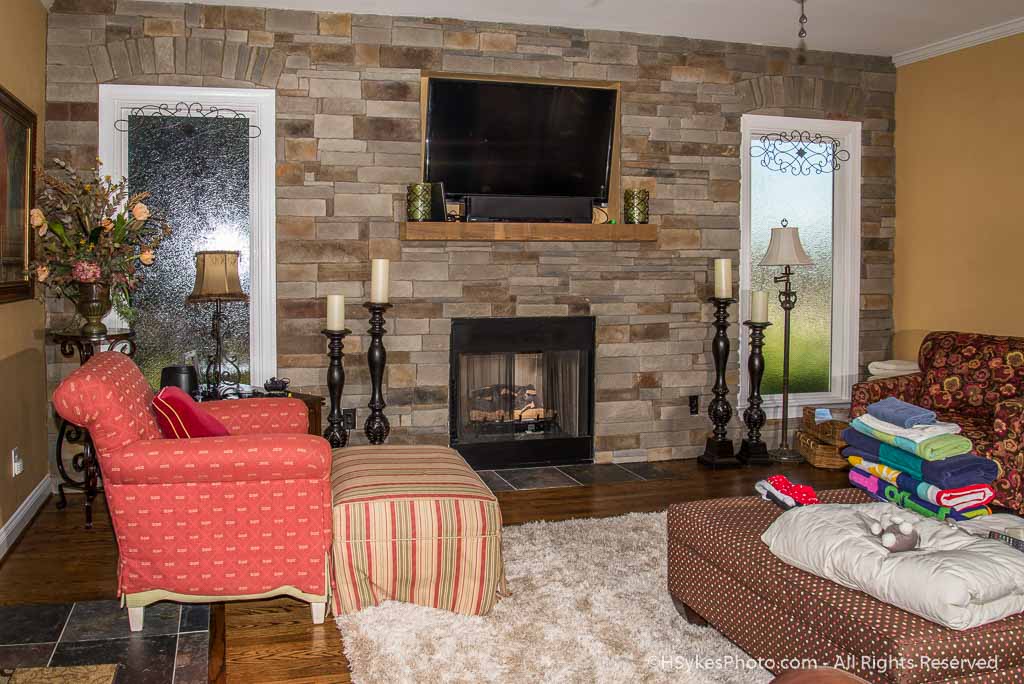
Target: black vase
[184,378]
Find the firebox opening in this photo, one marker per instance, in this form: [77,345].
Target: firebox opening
[522,390]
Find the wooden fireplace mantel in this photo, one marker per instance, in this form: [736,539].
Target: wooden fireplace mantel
[545,232]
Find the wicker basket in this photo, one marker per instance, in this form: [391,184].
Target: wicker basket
[828,431]
[819,454]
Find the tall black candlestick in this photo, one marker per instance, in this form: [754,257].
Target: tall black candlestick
[718,451]
[377,426]
[754,451]
[336,433]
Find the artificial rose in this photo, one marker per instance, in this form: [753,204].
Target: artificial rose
[107,224]
[147,257]
[140,211]
[37,218]
[86,272]
[42,273]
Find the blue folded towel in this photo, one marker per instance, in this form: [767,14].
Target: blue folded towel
[959,471]
[900,413]
[867,446]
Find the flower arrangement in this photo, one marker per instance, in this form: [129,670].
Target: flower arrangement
[90,231]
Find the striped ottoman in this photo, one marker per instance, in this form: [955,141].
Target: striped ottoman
[414,524]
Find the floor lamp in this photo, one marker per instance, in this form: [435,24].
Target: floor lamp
[785,250]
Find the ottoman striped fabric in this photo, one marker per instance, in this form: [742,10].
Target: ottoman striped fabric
[414,524]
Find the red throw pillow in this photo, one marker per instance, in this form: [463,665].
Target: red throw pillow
[180,417]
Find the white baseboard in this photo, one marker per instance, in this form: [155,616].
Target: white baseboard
[11,530]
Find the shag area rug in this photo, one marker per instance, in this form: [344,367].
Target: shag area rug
[589,604]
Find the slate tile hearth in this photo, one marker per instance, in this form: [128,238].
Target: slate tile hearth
[537,478]
[550,477]
[172,647]
[601,473]
[660,470]
[495,481]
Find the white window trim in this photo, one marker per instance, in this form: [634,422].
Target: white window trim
[846,259]
[259,107]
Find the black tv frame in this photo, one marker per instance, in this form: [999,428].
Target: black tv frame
[610,152]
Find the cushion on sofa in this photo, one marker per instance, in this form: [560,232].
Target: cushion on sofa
[180,417]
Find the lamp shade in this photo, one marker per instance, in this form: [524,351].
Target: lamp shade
[217,278]
[785,249]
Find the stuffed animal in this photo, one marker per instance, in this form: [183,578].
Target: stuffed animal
[897,535]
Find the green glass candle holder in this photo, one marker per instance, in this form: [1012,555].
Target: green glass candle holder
[417,202]
[636,206]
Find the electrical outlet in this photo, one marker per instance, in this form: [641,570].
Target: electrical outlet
[348,417]
[17,464]
[694,404]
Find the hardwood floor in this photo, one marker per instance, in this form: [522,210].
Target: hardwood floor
[691,483]
[57,560]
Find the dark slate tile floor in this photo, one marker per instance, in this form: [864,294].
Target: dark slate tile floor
[173,645]
[547,477]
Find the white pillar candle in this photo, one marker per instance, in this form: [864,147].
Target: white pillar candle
[759,306]
[335,312]
[379,269]
[723,278]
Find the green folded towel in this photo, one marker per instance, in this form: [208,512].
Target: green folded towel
[943,446]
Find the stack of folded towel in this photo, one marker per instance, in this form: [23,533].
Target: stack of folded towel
[891,369]
[902,454]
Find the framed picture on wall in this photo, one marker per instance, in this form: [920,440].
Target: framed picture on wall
[17,192]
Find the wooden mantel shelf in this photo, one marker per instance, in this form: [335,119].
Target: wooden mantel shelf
[549,232]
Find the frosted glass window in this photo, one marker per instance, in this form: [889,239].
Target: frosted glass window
[197,170]
[806,202]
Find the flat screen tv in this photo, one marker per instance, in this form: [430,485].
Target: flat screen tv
[488,138]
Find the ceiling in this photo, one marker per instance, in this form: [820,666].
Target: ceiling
[879,27]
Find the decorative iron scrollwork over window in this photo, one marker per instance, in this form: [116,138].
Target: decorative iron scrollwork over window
[799,153]
[186,110]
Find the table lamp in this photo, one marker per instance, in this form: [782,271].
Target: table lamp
[217,281]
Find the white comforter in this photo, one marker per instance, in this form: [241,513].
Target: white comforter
[953,578]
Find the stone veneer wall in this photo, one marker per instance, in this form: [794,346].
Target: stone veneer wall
[349,141]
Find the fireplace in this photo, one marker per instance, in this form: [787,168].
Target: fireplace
[522,390]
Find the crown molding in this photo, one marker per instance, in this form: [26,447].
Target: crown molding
[964,40]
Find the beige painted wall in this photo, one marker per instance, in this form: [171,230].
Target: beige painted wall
[959,193]
[22,368]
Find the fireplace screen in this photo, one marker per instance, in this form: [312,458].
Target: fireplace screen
[522,390]
[521,395]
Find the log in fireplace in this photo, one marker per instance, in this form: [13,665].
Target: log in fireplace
[522,390]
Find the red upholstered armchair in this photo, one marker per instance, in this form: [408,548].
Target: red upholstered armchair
[209,519]
[974,380]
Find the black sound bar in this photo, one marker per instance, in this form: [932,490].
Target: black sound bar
[509,208]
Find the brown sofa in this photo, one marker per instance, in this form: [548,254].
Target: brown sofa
[974,380]
[720,572]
